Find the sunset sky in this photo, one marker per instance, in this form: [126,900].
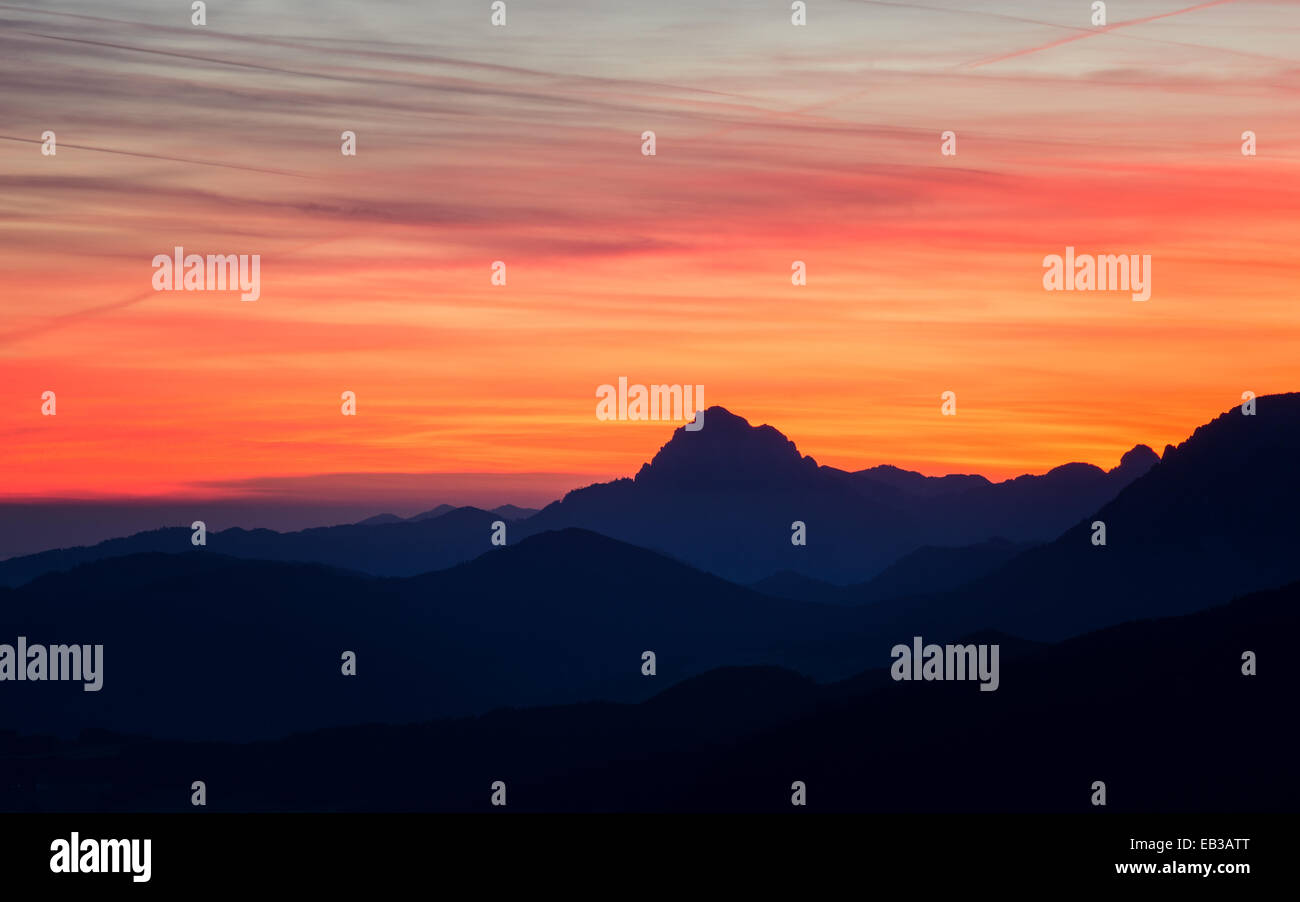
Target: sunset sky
[775,143]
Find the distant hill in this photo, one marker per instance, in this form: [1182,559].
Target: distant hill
[378,519]
[514,512]
[797,587]
[932,569]
[432,513]
[399,548]
[924,571]
[505,511]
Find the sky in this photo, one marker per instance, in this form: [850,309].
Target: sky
[522,143]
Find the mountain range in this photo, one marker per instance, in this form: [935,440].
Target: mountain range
[722,499]
[202,644]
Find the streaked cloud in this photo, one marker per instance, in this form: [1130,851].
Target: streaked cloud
[522,144]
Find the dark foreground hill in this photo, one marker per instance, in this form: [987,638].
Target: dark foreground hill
[1159,711]
[202,645]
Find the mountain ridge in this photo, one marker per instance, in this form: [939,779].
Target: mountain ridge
[723,499]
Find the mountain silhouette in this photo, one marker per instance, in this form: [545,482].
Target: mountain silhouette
[724,499]
[525,662]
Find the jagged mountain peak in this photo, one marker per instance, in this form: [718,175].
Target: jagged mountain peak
[727,450]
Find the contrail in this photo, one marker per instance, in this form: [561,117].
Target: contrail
[306,44]
[62,319]
[1006,17]
[158,156]
[1078,32]
[1100,29]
